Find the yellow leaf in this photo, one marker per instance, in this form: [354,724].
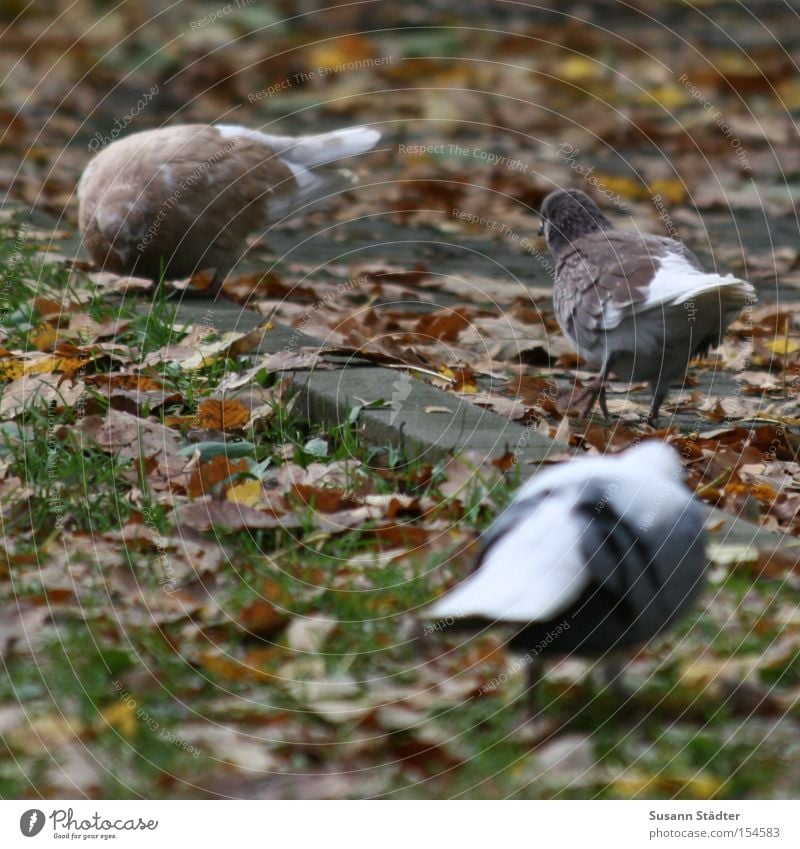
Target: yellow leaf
[122,716]
[788,94]
[46,338]
[623,186]
[248,493]
[580,69]
[783,346]
[669,96]
[339,53]
[45,365]
[672,191]
[11,369]
[643,784]
[45,733]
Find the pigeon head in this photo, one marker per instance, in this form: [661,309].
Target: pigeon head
[568,215]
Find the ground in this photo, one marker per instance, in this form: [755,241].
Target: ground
[222,521]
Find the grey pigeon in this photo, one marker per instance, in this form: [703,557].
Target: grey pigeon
[180,199]
[637,305]
[592,556]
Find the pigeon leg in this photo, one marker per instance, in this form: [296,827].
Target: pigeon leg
[533,675]
[611,676]
[595,389]
[602,399]
[659,394]
[216,283]
[585,400]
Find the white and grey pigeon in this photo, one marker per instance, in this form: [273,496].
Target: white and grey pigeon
[637,305]
[176,200]
[592,556]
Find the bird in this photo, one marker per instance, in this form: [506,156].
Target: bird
[636,305]
[592,557]
[165,203]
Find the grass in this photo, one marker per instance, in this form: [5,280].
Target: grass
[144,694]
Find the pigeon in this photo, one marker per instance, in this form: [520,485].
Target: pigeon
[592,557]
[637,305]
[168,202]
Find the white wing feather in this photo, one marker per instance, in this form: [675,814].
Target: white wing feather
[301,154]
[532,572]
[536,567]
[311,151]
[676,282]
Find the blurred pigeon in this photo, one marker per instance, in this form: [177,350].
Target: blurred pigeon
[592,556]
[172,201]
[637,305]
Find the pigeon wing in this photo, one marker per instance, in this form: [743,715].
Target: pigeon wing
[602,274]
[532,569]
[653,573]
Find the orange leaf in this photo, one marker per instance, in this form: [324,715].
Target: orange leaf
[443,324]
[206,475]
[45,339]
[261,618]
[324,500]
[47,307]
[222,415]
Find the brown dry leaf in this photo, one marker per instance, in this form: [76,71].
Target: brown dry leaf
[511,408]
[261,664]
[133,438]
[308,634]
[776,564]
[196,350]
[21,623]
[337,475]
[464,472]
[444,325]
[261,619]
[39,390]
[325,500]
[206,514]
[536,391]
[216,414]
[235,749]
[247,287]
[205,476]
[48,308]
[119,380]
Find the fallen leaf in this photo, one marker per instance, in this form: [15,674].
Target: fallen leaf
[214,414]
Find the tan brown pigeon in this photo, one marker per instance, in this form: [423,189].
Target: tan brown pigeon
[172,201]
[637,305]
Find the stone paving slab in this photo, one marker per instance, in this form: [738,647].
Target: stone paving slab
[328,396]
